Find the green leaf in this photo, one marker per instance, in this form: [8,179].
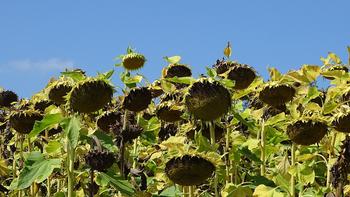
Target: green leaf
[306,174]
[105,140]
[75,75]
[276,119]
[232,190]
[282,182]
[3,168]
[334,73]
[37,169]
[118,183]
[311,72]
[184,80]
[203,143]
[53,147]
[48,121]
[334,58]
[106,75]
[264,191]
[59,194]
[328,107]
[173,60]
[72,130]
[211,72]
[171,192]
[167,86]
[228,83]
[296,76]
[275,75]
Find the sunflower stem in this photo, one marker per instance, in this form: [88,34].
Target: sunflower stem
[70,166]
[48,186]
[292,179]
[185,191]
[122,145]
[212,141]
[191,190]
[330,152]
[228,163]
[92,183]
[262,156]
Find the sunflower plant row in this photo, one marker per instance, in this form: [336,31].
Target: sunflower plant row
[226,133]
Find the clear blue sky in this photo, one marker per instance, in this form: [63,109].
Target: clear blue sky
[39,38]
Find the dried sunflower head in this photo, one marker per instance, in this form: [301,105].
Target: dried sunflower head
[207,101]
[275,94]
[137,99]
[7,98]
[23,121]
[242,74]
[189,170]
[307,131]
[90,95]
[133,61]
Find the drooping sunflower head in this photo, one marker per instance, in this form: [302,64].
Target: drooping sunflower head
[177,70]
[108,119]
[41,105]
[99,160]
[166,131]
[58,91]
[137,99]
[207,101]
[341,121]
[133,61]
[23,121]
[90,95]
[169,111]
[7,98]
[242,74]
[189,170]
[276,94]
[156,89]
[223,66]
[307,131]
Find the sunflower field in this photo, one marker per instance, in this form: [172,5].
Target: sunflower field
[226,133]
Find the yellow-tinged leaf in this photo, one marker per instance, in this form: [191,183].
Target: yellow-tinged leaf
[173,59]
[264,191]
[3,168]
[275,75]
[311,72]
[334,58]
[305,157]
[232,190]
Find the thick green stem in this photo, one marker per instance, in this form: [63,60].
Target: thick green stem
[185,191]
[48,186]
[228,163]
[212,141]
[135,153]
[122,145]
[330,152]
[70,168]
[262,146]
[292,179]
[191,190]
[92,183]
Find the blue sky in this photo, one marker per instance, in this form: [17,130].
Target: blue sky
[38,39]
